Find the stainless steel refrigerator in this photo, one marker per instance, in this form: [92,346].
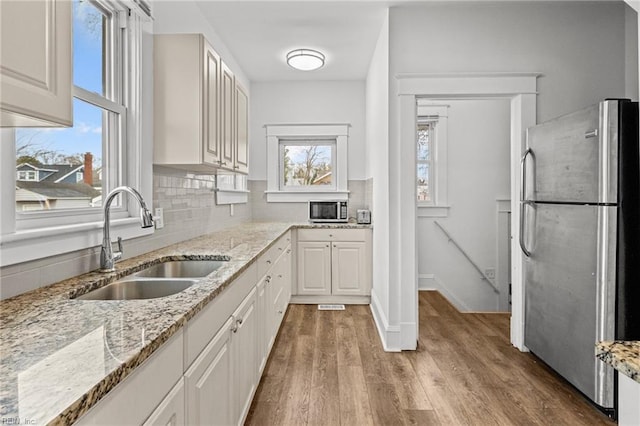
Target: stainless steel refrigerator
[580,233]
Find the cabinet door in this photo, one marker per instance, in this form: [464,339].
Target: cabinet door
[241,161]
[348,268]
[209,382]
[227,90]
[244,355]
[211,107]
[262,329]
[171,411]
[314,268]
[35,82]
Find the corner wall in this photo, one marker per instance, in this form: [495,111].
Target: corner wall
[377,136]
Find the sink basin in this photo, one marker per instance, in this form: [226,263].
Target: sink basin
[138,288]
[181,269]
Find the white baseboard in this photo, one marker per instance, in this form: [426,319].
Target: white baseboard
[432,282]
[389,335]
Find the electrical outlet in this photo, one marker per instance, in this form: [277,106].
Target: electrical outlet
[158,218]
[490,273]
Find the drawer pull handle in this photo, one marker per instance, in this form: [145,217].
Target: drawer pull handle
[268,262]
[280,248]
[239,321]
[280,312]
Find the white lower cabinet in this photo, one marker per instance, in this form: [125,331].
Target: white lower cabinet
[334,262]
[208,382]
[221,381]
[314,268]
[244,357]
[171,411]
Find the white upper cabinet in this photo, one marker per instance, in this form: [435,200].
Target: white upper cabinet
[227,92]
[186,101]
[200,110]
[241,159]
[35,63]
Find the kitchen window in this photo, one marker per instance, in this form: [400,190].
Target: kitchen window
[95,140]
[307,162]
[431,159]
[61,209]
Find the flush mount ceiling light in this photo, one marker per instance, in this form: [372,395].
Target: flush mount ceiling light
[305,59]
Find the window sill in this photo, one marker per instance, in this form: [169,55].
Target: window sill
[303,197]
[24,246]
[433,211]
[231,196]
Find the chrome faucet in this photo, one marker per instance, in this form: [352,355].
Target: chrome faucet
[108,257]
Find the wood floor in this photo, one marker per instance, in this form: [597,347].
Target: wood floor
[329,368]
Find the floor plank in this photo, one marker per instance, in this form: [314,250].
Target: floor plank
[329,368]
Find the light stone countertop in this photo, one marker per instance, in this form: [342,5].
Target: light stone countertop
[624,356]
[59,356]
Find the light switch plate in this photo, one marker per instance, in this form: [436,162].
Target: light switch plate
[158,218]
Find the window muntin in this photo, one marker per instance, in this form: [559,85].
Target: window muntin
[95,140]
[307,164]
[425,177]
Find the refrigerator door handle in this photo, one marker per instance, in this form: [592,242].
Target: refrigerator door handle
[523,201]
[523,173]
[523,211]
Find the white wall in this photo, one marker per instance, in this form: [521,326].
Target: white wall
[579,47]
[303,102]
[377,135]
[478,169]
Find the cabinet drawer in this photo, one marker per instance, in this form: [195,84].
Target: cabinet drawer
[332,234]
[269,258]
[201,328]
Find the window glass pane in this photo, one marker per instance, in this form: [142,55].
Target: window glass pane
[424,194]
[424,136]
[89,68]
[61,168]
[307,165]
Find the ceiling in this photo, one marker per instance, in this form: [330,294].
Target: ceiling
[260,33]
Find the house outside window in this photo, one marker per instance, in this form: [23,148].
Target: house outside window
[306,164]
[99,110]
[28,175]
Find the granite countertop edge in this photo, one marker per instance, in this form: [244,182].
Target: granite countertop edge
[622,355]
[73,287]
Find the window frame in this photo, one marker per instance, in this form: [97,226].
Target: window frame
[275,133]
[438,206]
[62,231]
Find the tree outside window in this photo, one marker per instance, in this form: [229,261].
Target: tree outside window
[307,163]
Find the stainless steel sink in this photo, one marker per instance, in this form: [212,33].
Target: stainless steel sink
[138,288]
[181,269]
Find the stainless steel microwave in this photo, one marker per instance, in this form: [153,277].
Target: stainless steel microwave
[328,211]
